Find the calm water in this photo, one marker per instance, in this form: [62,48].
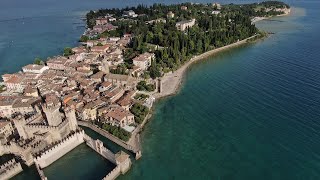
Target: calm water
[248,113]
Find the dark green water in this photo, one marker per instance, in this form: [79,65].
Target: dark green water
[248,113]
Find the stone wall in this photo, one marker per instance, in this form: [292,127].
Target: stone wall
[62,148]
[113,174]
[108,136]
[97,145]
[10,169]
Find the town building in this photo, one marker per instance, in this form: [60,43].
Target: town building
[183,25]
[143,60]
[34,68]
[184,8]
[215,12]
[57,63]
[101,21]
[130,13]
[117,79]
[170,14]
[159,20]
[100,49]
[6,130]
[217,6]
[15,83]
[119,117]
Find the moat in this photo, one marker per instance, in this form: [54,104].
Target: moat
[80,163]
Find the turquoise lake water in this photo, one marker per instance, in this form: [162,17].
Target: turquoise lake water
[247,113]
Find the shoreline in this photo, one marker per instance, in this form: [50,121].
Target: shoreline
[171,82]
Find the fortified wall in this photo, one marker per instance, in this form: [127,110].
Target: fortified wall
[97,145]
[24,152]
[62,148]
[10,169]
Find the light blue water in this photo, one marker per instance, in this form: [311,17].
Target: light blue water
[248,113]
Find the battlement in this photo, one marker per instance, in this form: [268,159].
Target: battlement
[7,164]
[10,169]
[51,106]
[32,118]
[57,144]
[47,127]
[113,174]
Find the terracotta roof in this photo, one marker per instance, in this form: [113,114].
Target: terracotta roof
[4,123]
[106,84]
[33,67]
[143,57]
[117,77]
[100,48]
[118,113]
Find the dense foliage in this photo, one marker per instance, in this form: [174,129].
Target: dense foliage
[141,97]
[67,51]
[2,88]
[114,130]
[211,31]
[143,86]
[139,111]
[38,61]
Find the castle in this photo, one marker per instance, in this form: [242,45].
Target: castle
[37,131]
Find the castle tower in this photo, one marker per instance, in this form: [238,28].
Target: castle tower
[52,110]
[105,66]
[19,122]
[71,117]
[54,116]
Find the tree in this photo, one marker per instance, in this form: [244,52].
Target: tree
[38,61]
[67,51]
[84,38]
[154,70]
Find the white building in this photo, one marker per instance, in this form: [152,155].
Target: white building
[183,25]
[143,60]
[215,12]
[170,14]
[34,68]
[130,13]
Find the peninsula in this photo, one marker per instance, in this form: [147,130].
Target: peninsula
[127,58]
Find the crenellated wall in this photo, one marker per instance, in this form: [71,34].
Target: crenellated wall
[10,169]
[24,152]
[113,174]
[97,145]
[62,148]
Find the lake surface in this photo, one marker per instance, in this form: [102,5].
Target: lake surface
[247,113]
